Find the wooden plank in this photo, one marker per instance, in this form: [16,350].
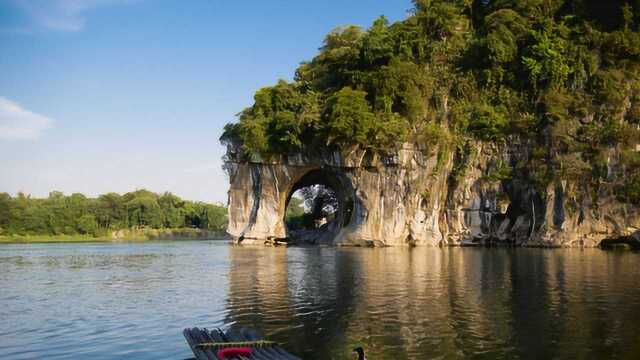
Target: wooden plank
[279,349]
[198,352]
[256,353]
[265,353]
[197,336]
[276,352]
[219,336]
[204,338]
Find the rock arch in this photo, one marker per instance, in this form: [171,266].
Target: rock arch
[342,187]
[385,198]
[418,197]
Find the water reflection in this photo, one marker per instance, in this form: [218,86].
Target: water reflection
[131,301]
[439,303]
[108,301]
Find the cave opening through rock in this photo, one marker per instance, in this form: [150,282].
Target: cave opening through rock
[318,206]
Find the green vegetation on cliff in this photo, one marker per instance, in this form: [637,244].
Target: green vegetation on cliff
[560,76]
[60,216]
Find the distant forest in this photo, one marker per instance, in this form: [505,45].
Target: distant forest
[77,214]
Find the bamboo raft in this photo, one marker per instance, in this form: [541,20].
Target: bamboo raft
[205,344]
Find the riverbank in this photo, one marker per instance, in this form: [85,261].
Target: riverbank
[119,236]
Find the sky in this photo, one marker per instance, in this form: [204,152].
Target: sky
[117,95]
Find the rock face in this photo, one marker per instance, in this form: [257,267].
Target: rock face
[413,198]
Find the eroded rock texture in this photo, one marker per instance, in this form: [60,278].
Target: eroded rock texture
[426,198]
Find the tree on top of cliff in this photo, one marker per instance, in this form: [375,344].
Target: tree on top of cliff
[564,74]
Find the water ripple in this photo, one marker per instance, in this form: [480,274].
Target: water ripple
[131,301]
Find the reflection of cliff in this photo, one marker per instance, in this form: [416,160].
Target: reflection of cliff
[252,277]
[590,308]
[428,302]
[299,297]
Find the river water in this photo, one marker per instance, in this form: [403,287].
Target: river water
[132,300]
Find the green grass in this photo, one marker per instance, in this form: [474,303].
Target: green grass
[49,238]
[129,235]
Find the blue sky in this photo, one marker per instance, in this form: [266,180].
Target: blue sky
[116,95]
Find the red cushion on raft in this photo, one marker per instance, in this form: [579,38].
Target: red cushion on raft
[231,352]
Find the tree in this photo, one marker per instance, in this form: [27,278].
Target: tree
[277,121]
[440,19]
[172,210]
[294,215]
[348,118]
[377,45]
[110,212]
[487,122]
[505,28]
[562,77]
[143,209]
[35,219]
[336,66]
[87,224]
[545,60]
[5,211]
[216,217]
[59,214]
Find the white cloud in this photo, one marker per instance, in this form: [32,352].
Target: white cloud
[63,15]
[19,123]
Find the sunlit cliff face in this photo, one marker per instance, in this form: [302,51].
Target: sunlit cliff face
[418,199]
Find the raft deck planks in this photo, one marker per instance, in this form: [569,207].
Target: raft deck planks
[197,336]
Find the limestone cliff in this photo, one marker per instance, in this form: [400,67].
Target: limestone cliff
[426,198]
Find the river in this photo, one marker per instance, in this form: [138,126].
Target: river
[132,300]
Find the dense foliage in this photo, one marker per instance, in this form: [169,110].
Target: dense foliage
[561,75]
[295,216]
[76,214]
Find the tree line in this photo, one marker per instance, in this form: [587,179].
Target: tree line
[59,214]
[563,76]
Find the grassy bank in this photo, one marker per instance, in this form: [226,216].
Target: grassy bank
[119,236]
